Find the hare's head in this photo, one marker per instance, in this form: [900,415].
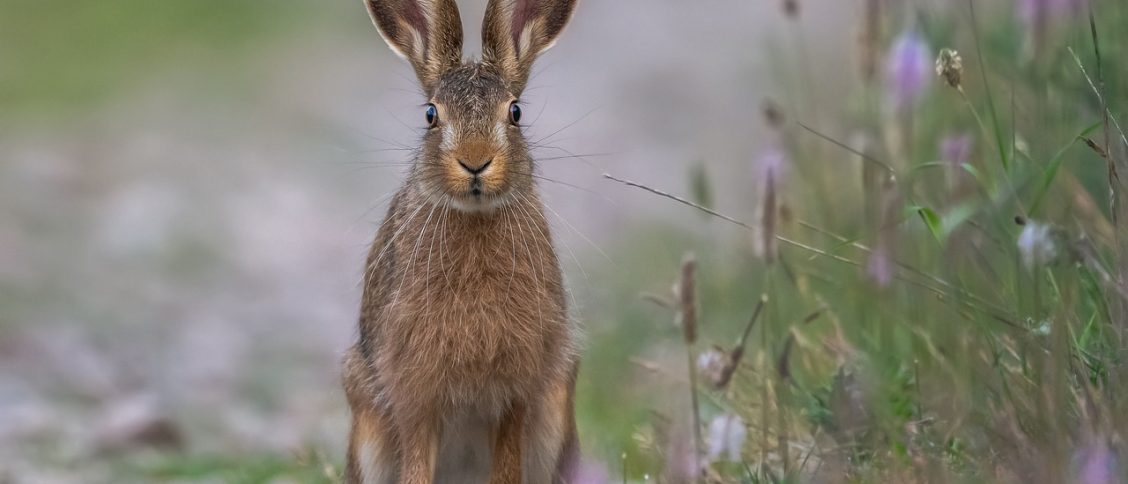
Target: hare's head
[474,151]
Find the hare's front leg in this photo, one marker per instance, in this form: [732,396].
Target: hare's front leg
[418,429]
[507,446]
[551,447]
[371,454]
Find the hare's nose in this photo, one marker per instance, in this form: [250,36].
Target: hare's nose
[475,169]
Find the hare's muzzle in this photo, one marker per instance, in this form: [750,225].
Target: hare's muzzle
[477,172]
[475,169]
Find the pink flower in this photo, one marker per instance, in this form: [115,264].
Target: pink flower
[908,70]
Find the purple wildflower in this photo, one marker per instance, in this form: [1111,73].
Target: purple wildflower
[683,465]
[726,436]
[956,149]
[1036,245]
[771,166]
[1029,11]
[771,170]
[588,472]
[879,267]
[908,70]
[711,366]
[1097,465]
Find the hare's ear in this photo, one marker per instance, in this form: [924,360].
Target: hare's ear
[428,33]
[516,31]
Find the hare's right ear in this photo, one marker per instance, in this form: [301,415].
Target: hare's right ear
[428,33]
[517,31]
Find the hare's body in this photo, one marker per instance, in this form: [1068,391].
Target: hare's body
[464,371]
[496,334]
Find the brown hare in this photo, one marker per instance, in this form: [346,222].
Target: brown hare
[465,368]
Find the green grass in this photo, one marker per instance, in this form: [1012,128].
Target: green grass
[61,59]
[969,366]
[243,469]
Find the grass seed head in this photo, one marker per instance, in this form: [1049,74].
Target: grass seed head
[949,66]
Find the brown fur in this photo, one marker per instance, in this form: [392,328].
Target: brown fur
[466,354]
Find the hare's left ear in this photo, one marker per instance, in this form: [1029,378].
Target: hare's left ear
[517,31]
[428,33]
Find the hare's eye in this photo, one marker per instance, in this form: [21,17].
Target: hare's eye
[432,116]
[514,114]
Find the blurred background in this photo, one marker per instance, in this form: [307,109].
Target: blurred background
[188,191]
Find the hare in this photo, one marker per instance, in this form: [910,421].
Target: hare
[465,366]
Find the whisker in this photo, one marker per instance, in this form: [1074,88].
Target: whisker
[506,212]
[532,259]
[581,234]
[376,204]
[442,245]
[577,187]
[571,156]
[569,125]
[587,280]
[413,129]
[430,248]
[411,265]
[375,150]
[577,156]
[382,140]
[376,262]
[539,113]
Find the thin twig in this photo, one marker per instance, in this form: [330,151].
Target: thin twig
[687,304]
[990,309]
[737,353]
[1111,117]
[679,199]
[1113,177]
[846,147]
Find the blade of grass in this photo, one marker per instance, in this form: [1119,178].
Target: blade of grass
[1055,164]
[932,221]
[998,132]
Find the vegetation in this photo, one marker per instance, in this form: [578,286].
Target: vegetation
[941,267]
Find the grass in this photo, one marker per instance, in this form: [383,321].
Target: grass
[989,347]
[59,60]
[243,469]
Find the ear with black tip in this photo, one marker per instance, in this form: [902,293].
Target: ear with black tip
[428,33]
[517,31]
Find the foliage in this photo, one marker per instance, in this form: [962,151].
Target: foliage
[938,311]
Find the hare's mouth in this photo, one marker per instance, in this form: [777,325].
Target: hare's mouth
[478,198]
[477,188]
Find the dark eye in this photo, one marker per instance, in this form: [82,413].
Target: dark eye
[514,114]
[432,116]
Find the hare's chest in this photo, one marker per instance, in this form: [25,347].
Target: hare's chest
[478,315]
[491,333]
